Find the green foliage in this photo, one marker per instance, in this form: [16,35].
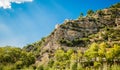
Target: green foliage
[115,67]
[15,58]
[65,60]
[93,56]
[59,55]
[115,5]
[111,34]
[79,67]
[102,49]
[69,52]
[96,52]
[50,63]
[92,52]
[19,64]
[114,12]
[8,67]
[81,16]
[74,66]
[61,59]
[113,53]
[100,13]
[41,67]
[90,12]
[74,42]
[97,64]
[66,42]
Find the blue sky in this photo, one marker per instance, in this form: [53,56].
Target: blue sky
[28,22]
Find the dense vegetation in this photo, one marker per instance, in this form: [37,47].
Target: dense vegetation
[15,58]
[93,58]
[99,50]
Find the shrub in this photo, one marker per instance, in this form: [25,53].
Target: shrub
[100,13]
[90,12]
[97,64]
[19,64]
[74,66]
[115,5]
[50,63]
[40,67]
[115,67]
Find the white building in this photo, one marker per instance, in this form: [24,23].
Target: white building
[56,26]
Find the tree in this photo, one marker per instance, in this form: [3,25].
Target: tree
[59,55]
[92,52]
[113,53]
[50,63]
[61,59]
[114,12]
[79,55]
[100,13]
[70,51]
[115,5]
[19,64]
[102,49]
[74,66]
[90,12]
[40,67]
[81,15]
[116,49]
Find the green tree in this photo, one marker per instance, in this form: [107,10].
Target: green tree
[61,60]
[113,53]
[59,55]
[74,57]
[102,49]
[90,12]
[70,51]
[92,52]
[116,5]
[81,15]
[41,67]
[116,49]
[79,56]
[74,66]
[19,64]
[100,13]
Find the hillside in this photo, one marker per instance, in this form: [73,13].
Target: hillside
[100,26]
[80,42]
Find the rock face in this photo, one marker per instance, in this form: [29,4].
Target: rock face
[77,33]
[75,29]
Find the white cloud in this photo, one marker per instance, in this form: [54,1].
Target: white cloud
[7,3]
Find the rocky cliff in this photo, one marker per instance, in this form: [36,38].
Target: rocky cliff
[102,25]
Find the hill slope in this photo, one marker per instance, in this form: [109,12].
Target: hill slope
[100,26]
